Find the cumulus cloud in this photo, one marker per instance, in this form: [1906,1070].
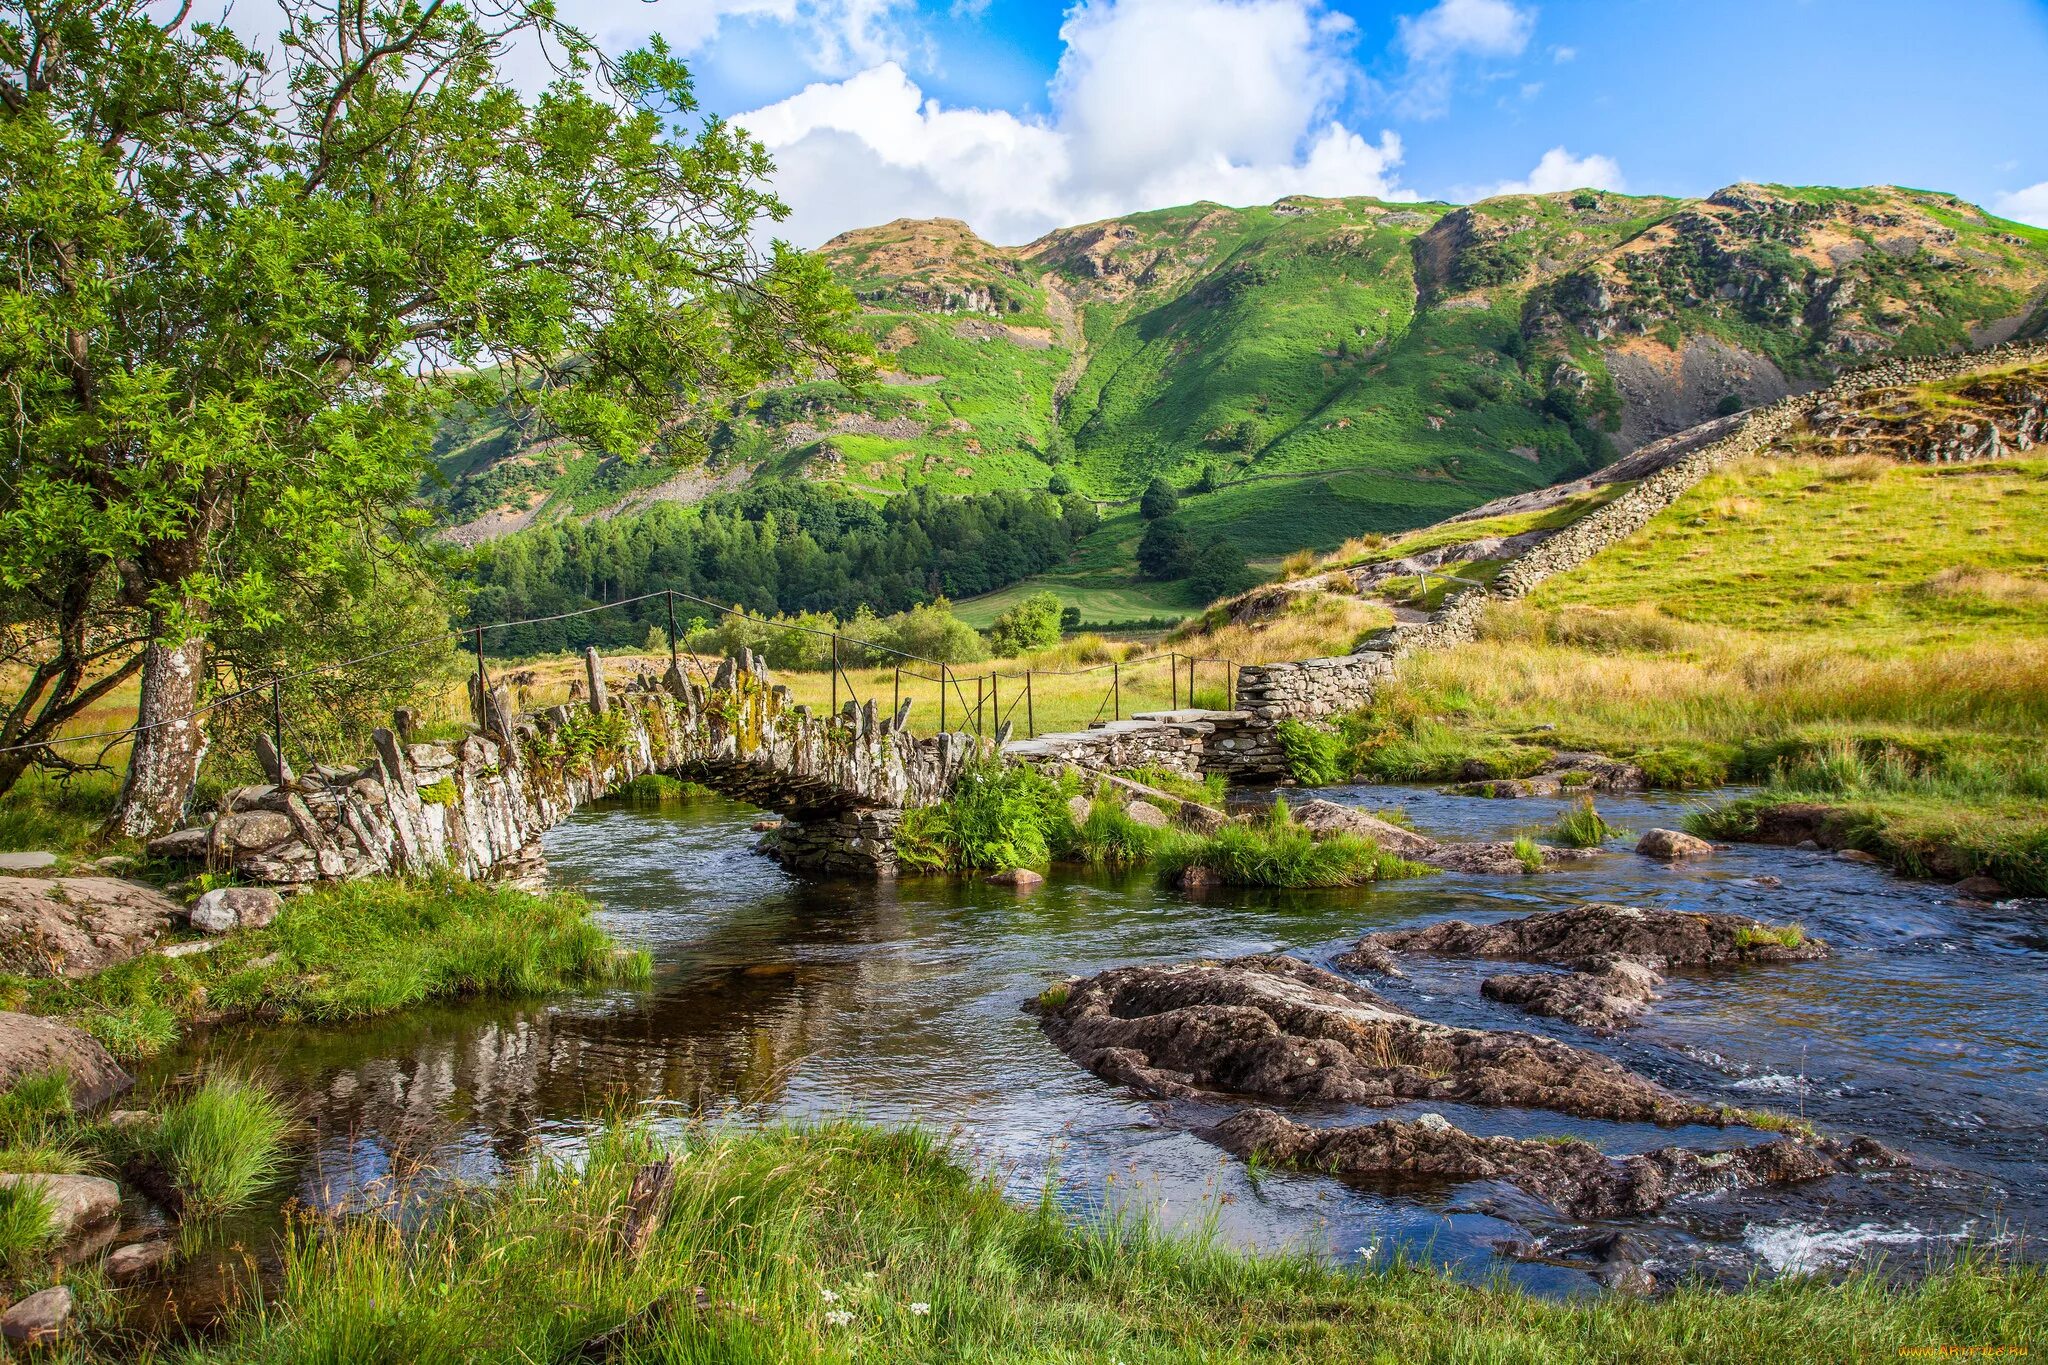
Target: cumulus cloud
[1155,102]
[2029,205]
[1558,170]
[1485,28]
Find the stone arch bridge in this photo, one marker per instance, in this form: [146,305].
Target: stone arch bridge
[479,805]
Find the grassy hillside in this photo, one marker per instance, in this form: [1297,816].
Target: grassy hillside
[1316,369]
[1864,634]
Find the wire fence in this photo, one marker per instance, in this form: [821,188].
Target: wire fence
[986,714]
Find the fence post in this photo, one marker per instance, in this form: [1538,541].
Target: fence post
[1173,678]
[483,686]
[1191,680]
[835,674]
[673,668]
[980,683]
[1030,721]
[1116,690]
[896,696]
[277,726]
[942,699]
[995,700]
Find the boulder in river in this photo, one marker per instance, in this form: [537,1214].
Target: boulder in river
[1277,1028]
[1572,1176]
[31,1045]
[1602,1000]
[74,926]
[1672,845]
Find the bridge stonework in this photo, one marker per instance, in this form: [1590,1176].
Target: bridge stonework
[478,805]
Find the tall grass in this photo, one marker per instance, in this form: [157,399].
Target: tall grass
[348,951]
[26,1225]
[1277,852]
[1582,826]
[219,1146]
[842,1243]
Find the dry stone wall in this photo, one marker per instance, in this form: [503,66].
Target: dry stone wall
[1244,745]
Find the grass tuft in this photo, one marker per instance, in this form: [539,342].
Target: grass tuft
[1274,851]
[220,1146]
[1527,853]
[1582,826]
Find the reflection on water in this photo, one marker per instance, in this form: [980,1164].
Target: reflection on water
[774,997]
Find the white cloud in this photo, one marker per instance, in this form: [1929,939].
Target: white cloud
[1560,170]
[1485,28]
[1155,102]
[2029,205]
[1561,55]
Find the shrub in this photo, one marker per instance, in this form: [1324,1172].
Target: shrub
[1033,623]
[1001,815]
[218,1147]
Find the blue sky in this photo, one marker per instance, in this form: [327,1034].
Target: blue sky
[1020,115]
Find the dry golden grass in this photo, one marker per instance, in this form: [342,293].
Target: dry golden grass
[1308,624]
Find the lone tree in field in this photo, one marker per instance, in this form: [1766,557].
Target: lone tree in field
[1159,500]
[240,288]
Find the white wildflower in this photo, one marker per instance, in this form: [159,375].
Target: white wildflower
[920,1310]
[828,1296]
[838,1317]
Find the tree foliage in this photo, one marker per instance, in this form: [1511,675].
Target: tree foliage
[1033,623]
[1159,500]
[240,293]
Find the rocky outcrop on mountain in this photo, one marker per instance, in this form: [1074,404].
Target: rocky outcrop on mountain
[1279,1029]
[1984,418]
[1572,1176]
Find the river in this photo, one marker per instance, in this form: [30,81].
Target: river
[779,998]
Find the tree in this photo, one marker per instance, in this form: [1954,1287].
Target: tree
[1034,623]
[1165,550]
[1059,485]
[238,299]
[1070,619]
[1218,569]
[1159,500]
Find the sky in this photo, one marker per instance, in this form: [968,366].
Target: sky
[1024,115]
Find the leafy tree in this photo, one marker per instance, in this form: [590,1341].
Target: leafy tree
[1059,485]
[1070,618]
[1166,550]
[1218,569]
[238,298]
[1159,500]
[1033,623]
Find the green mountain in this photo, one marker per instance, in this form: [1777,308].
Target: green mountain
[1318,368]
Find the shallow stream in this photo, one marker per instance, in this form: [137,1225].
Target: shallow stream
[779,997]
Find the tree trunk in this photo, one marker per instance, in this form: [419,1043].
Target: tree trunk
[163,766]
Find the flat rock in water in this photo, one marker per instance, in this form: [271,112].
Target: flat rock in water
[76,1201]
[1278,1028]
[26,862]
[135,1260]
[1672,845]
[31,1045]
[1017,876]
[1604,1000]
[1982,888]
[1574,1177]
[1857,855]
[74,926]
[38,1318]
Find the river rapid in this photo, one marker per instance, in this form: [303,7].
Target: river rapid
[779,998]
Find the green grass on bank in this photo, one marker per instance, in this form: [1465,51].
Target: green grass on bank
[1863,633]
[843,1243]
[343,952]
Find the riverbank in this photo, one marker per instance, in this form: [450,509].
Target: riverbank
[843,1242]
[339,953]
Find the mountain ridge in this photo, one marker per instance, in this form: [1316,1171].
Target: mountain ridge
[1319,367]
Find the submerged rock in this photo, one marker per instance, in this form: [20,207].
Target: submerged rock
[1278,1028]
[1618,953]
[74,926]
[1574,1177]
[31,1045]
[137,1259]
